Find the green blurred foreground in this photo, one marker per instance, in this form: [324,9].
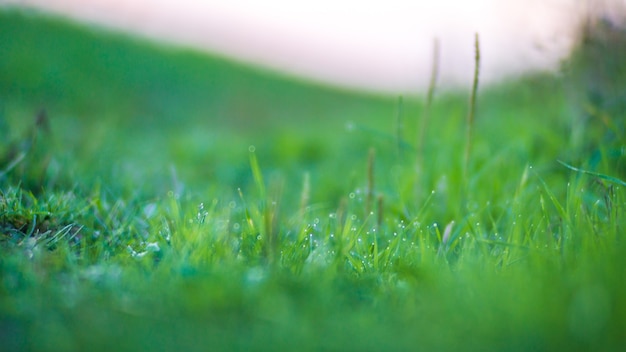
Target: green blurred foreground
[156,199]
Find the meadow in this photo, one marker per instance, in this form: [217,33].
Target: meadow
[156,198]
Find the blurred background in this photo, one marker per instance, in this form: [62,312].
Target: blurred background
[190,100]
[381,46]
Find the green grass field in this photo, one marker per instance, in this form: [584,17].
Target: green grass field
[153,198]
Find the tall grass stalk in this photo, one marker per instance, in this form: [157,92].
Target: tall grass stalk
[272,219]
[371,159]
[381,212]
[399,125]
[305,195]
[432,86]
[471,115]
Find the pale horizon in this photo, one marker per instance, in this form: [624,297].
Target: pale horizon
[367,45]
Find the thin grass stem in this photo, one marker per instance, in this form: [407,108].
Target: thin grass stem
[471,116]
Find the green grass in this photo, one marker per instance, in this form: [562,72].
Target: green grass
[168,200]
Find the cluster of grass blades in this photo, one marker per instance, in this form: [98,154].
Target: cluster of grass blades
[472,237]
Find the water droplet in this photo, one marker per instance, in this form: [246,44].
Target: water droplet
[352,195]
[252,149]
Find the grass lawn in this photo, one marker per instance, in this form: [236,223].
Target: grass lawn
[153,198]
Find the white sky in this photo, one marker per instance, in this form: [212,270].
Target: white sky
[383,45]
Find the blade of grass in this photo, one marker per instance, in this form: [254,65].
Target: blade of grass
[596,174]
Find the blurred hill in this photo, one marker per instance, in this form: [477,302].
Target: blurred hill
[54,63]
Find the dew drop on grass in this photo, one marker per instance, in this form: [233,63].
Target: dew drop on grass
[152,247]
[252,149]
[232,205]
[352,195]
[149,210]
